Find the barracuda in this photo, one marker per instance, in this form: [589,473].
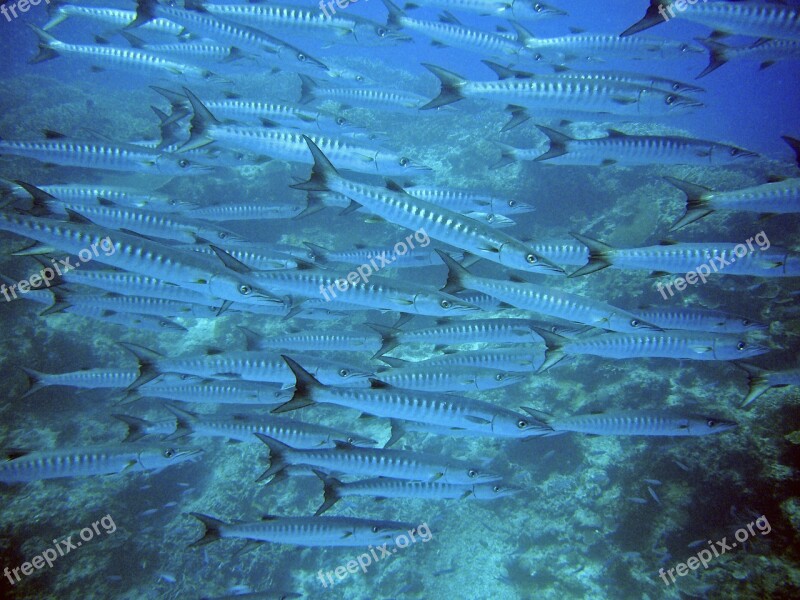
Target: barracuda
[132,284]
[757,19]
[449,32]
[191,389]
[516,9]
[699,319]
[640,422]
[137,220]
[777,197]
[25,467]
[519,360]
[763,261]
[433,378]
[415,257]
[374,462]
[101,55]
[197,19]
[619,148]
[377,293]
[143,256]
[101,155]
[463,201]
[550,92]
[381,487]
[256,112]
[305,531]
[195,51]
[59,12]
[376,99]
[491,331]
[80,193]
[338,342]
[544,300]
[290,145]
[249,365]
[679,345]
[598,46]
[87,379]
[248,212]
[243,427]
[404,210]
[257,257]
[308,20]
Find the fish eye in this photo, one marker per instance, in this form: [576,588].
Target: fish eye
[684,47]
[222,235]
[163,323]
[538,57]
[746,322]
[741,346]
[381,31]
[245,290]
[497,488]
[168,453]
[183,163]
[360,78]
[531,259]
[472,473]
[512,203]
[490,218]
[404,162]
[350,440]
[734,151]
[634,322]
[375,529]
[301,57]
[499,377]
[670,99]
[344,373]
[341,121]
[521,424]
[711,423]
[445,304]
[538,7]
[676,86]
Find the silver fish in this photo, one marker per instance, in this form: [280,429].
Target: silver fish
[640,422]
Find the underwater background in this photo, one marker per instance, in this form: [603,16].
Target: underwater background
[597,515]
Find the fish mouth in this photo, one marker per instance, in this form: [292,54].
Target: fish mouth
[191,454]
[486,478]
[747,154]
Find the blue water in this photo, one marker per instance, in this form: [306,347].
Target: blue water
[585,524]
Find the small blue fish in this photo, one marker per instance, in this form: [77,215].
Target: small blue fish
[652,481]
[637,500]
[653,494]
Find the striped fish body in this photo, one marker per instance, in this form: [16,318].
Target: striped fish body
[79,193]
[649,423]
[590,46]
[429,490]
[98,460]
[111,16]
[698,319]
[516,360]
[435,379]
[214,392]
[464,201]
[677,345]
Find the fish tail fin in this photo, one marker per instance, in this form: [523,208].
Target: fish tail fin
[169,128]
[331,492]
[696,202]
[46,45]
[654,15]
[307,89]
[456,274]
[56,14]
[252,339]
[717,55]
[398,430]
[178,103]
[757,382]
[184,422]
[554,352]
[389,339]
[36,381]
[599,255]
[304,387]
[147,364]
[558,143]
[212,530]
[202,119]
[508,156]
[137,427]
[519,114]
[145,12]
[451,84]
[277,456]
[395,16]
[322,173]
[60,303]
[794,144]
